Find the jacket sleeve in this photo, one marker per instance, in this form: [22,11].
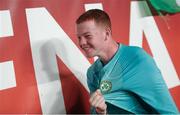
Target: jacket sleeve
[92,87]
[91,81]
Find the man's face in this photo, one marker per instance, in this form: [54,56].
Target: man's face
[91,38]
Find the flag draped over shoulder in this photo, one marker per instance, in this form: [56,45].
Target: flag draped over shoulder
[131,81]
[170,6]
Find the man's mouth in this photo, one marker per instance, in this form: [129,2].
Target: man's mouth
[86,48]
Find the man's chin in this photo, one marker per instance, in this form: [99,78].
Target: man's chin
[89,55]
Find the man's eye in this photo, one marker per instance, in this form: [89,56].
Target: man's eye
[79,38]
[88,36]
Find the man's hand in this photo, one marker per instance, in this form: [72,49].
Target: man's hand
[97,100]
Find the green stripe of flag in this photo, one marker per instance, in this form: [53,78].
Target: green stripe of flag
[170,6]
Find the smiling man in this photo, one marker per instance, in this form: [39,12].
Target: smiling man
[124,79]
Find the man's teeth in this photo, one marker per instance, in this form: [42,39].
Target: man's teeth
[85,48]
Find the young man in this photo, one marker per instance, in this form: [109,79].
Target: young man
[124,79]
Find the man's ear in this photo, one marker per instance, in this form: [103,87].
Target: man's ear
[108,33]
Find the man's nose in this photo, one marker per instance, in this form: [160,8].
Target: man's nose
[82,41]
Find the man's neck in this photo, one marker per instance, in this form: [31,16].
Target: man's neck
[110,52]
